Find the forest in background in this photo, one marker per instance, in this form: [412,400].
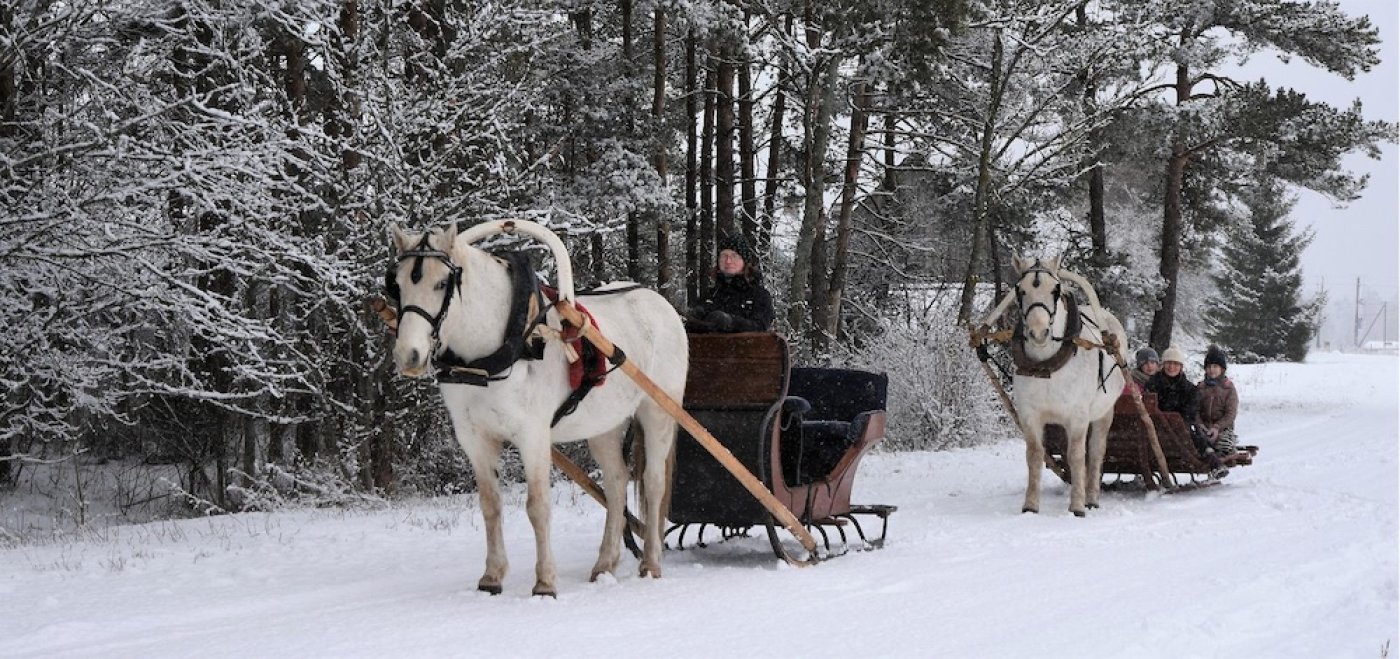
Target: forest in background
[197,196]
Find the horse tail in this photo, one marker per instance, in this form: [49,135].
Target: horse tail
[637,468]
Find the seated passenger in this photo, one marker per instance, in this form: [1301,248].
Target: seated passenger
[1175,393]
[1147,365]
[1219,402]
[739,302]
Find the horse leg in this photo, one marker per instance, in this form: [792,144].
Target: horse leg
[659,437]
[534,456]
[484,453]
[1035,463]
[1098,444]
[1075,433]
[607,452]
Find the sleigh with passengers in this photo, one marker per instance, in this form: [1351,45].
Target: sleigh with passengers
[1132,457]
[1069,369]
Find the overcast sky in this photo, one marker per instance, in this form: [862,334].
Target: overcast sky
[1361,239]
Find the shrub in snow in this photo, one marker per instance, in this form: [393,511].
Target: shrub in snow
[938,396]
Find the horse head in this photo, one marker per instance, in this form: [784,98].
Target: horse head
[427,280]
[1038,295]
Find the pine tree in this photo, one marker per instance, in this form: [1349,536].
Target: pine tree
[1259,313]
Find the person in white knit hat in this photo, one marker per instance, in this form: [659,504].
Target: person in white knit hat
[1176,393]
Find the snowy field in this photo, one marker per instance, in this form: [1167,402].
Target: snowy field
[1295,556]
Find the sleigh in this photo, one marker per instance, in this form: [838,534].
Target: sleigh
[1130,452]
[801,431]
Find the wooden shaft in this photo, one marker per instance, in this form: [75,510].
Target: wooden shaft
[696,430]
[386,313]
[1016,419]
[1166,477]
[583,480]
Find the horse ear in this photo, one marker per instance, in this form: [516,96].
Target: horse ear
[1020,264]
[449,237]
[1053,265]
[402,241]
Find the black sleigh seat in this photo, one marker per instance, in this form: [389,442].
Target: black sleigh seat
[801,431]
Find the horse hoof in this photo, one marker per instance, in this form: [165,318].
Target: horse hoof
[1091,505]
[1078,513]
[493,588]
[647,571]
[1030,510]
[544,591]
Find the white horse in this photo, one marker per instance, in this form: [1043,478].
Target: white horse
[1059,382]
[455,297]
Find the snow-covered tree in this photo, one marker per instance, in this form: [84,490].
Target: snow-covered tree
[1259,312]
[1208,112]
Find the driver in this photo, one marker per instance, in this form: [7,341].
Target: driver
[739,302]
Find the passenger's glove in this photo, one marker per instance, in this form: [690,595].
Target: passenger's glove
[720,321]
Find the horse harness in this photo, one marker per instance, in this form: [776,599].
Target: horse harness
[1070,342]
[523,336]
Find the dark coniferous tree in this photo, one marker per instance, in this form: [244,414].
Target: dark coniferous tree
[1259,313]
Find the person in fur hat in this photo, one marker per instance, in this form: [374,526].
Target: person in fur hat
[739,302]
[1219,401]
[1176,393]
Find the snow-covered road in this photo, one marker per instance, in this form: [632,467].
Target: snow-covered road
[1295,556]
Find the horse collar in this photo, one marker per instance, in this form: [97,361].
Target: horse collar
[1045,368]
[525,294]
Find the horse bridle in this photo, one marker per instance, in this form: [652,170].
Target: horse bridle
[424,250]
[1037,269]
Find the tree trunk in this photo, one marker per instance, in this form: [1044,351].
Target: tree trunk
[724,142]
[706,248]
[816,120]
[748,193]
[855,153]
[980,232]
[775,155]
[1170,267]
[664,271]
[692,211]
[890,182]
[9,89]
[634,229]
[598,257]
[342,127]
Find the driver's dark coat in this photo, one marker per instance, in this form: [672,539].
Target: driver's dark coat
[744,299]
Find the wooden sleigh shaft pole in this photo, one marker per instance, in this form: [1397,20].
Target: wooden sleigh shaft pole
[1016,418]
[696,430]
[586,482]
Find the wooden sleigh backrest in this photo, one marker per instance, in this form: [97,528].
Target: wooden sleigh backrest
[735,383]
[736,371]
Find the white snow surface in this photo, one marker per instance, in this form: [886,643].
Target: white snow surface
[1295,556]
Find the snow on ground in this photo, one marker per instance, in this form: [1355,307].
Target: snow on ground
[1295,556]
